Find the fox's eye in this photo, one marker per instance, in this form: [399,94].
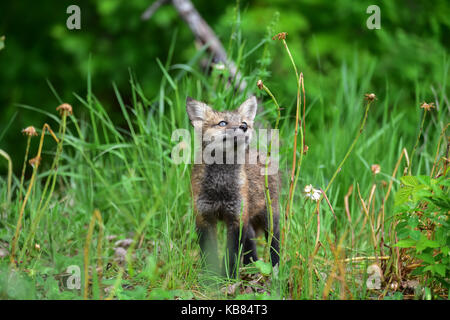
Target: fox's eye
[222,123]
[244,126]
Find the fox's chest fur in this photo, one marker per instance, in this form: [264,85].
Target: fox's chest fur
[219,190]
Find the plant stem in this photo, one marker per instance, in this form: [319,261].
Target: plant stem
[96,216]
[30,187]
[41,208]
[293,183]
[24,168]
[8,158]
[299,164]
[417,140]
[437,149]
[266,176]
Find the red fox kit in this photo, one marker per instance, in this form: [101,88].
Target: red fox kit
[230,189]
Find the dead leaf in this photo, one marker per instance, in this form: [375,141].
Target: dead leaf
[125,243]
[120,254]
[230,289]
[3,253]
[248,290]
[111,237]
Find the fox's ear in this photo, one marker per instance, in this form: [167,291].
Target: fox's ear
[196,110]
[248,108]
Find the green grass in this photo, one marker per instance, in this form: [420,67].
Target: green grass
[126,172]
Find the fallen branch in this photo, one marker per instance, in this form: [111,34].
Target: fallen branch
[206,35]
[203,33]
[359,259]
[148,13]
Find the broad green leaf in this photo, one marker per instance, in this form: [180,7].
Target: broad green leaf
[402,224]
[402,195]
[445,182]
[425,243]
[426,180]
[398,296]
[410,181]
[415,234]
[418,271]
[443,203]
[160,294]
[441,235]
[183,294]
[421,193]
[253,296]
[401,208]
[138,293]
[429,268]
[263,267]
[413,221]
[432,244]
[426,257]
[440,269]
[407,243]
[404,233]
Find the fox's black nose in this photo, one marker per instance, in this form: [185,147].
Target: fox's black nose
[243,127]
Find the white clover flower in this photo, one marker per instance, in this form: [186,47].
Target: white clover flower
[316,195]
[308,188]
[312,193]
[219,66]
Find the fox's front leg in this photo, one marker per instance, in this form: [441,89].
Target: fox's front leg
[275,244]
[236,234]
[207,235]
[250,246]
[233,245]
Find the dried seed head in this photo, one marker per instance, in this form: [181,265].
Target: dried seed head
[260,84]
[35,161]
[370,97]
[394,285]
[280,36]
[63,108]
[427,106]
[375,168]
[30,131]
[305,149]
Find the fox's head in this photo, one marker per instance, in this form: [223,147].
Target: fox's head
[223,130]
